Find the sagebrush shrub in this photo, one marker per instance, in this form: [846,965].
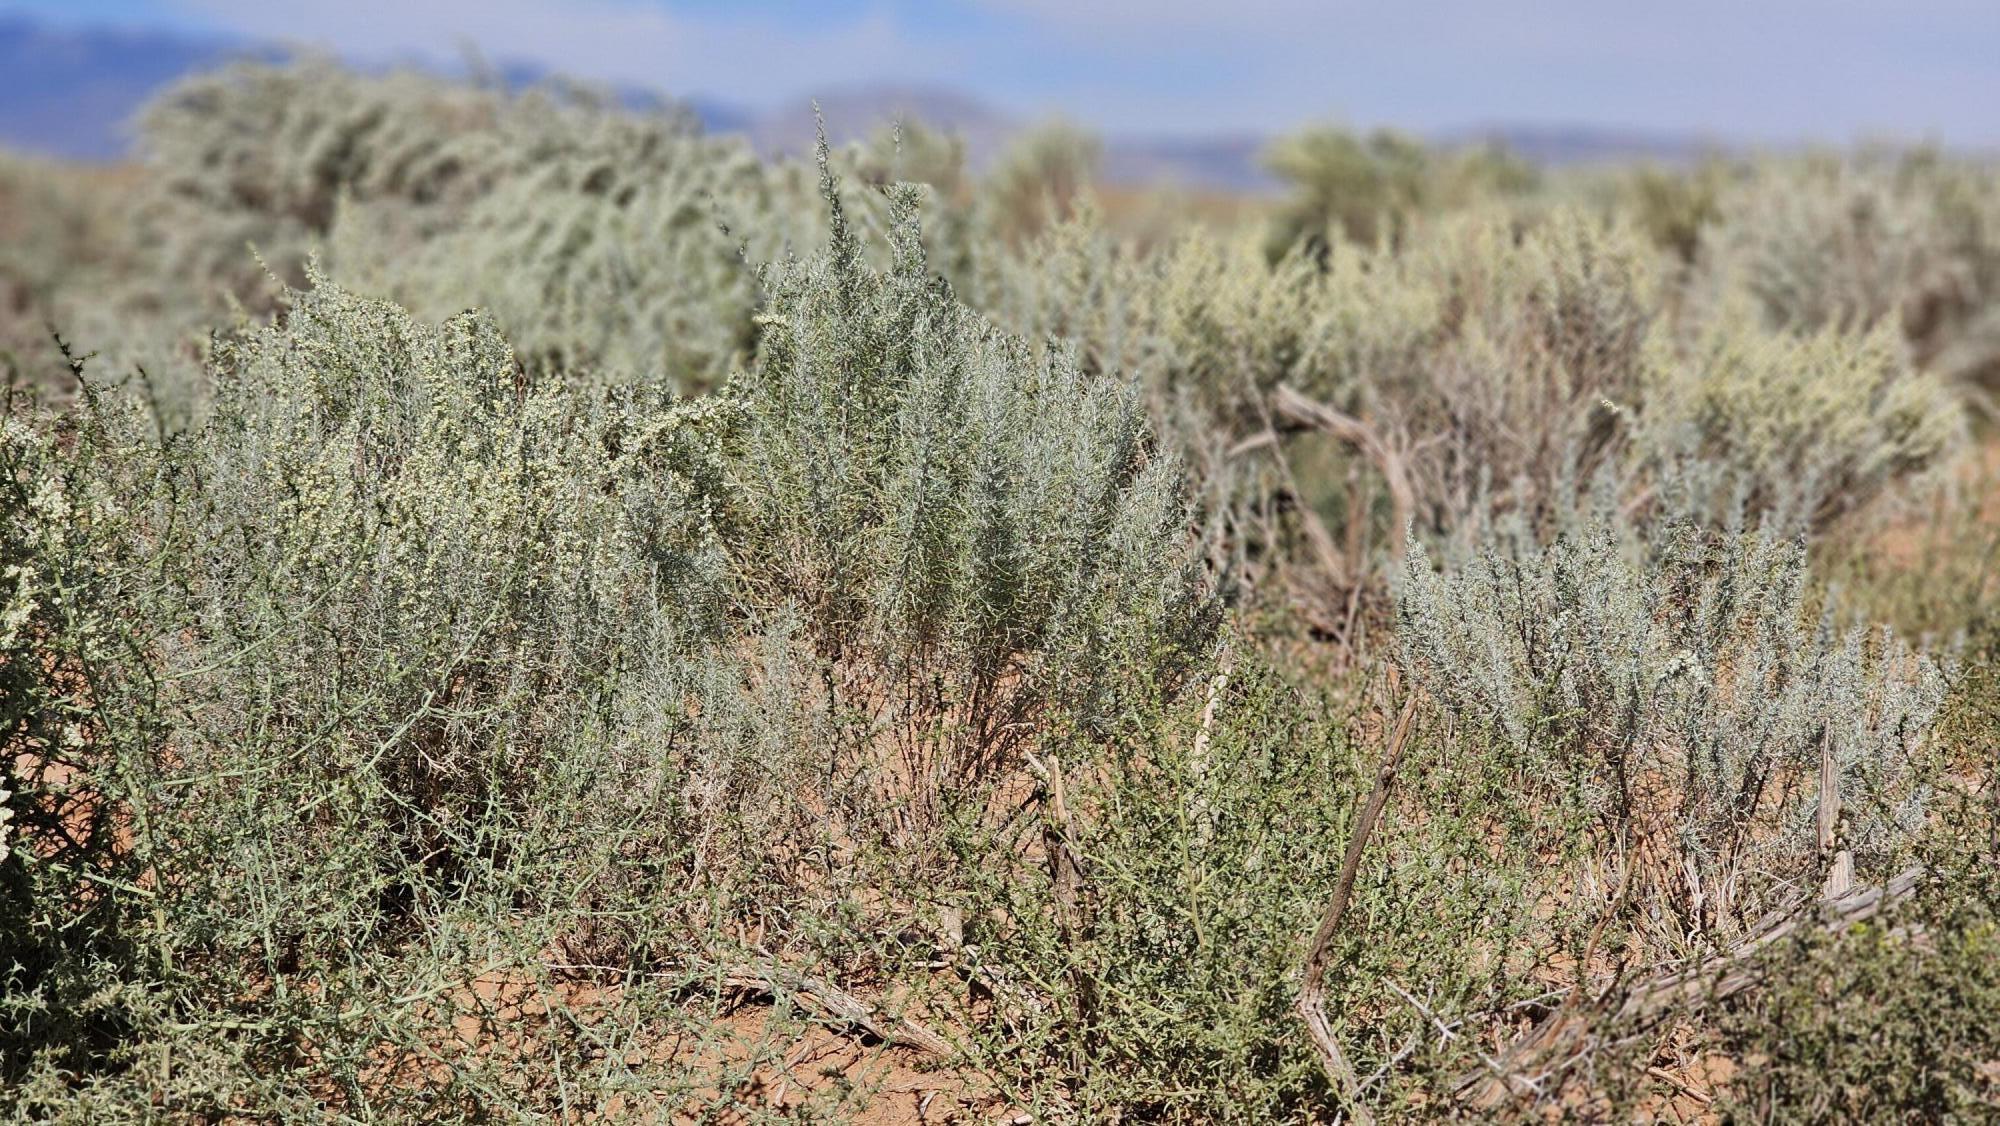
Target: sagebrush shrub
[608,244]
[1039,180]
[396,623]
[1370,188]
[1818,424]
[991,534]
[1674,678]
[1907,239]
[451,574]
[80,722]
[1495,360]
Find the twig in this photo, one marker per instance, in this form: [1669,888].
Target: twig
[1255,441]
[1669,1077]
[777,981]
[1312,994]
[1838,861]
[1298,408]
[1315,529]
[1198,757]
[1066,874]
[1645,1004]
[1446,1032]
[1408,1049]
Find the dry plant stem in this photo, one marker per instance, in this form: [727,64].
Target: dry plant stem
[1312,994]
[1668,1077]
[1324,551]
[1839,862]
[1570,1032]
[1204,814]
[1299,409]
[838,1004]
[1065,873]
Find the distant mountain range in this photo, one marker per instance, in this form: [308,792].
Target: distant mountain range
[72,93]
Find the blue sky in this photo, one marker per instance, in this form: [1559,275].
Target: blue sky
[1740,69]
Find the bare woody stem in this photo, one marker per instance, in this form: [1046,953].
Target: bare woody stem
[1312,994]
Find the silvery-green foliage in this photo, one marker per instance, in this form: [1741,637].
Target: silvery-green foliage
[1828,241]
[1906,238]
[1506,362]
[1674,680]
[1502,362]
[991,529]
[1202,316]
[1039,179]
[1489,354]
[265,155]
[1076,281]
[437,646]
[956,240]
[415,575]
[1817,424]
[80,724]
[605,242]
[1228,325]
[1675,206]
[1370,188]
[625,257]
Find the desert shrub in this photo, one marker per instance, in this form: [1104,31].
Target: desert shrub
[1363,187]
[599,264]
[1079,283]
[1370,188]
[1490,358]
[1202,314]
[1828,242]
[1675,207]
[62,239]
[80,717]
[1153,979]
[262,154]
[1499,362]
[1957,334]
[1818,424]
[447,722]
[436,548]
[1872,1026]
[1637,713]
[1227,327]
[483,693]
[427,640]
[989,532]
[1906,238]
[603,241]
[1039,179]
[1502,363]
[1677,682]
